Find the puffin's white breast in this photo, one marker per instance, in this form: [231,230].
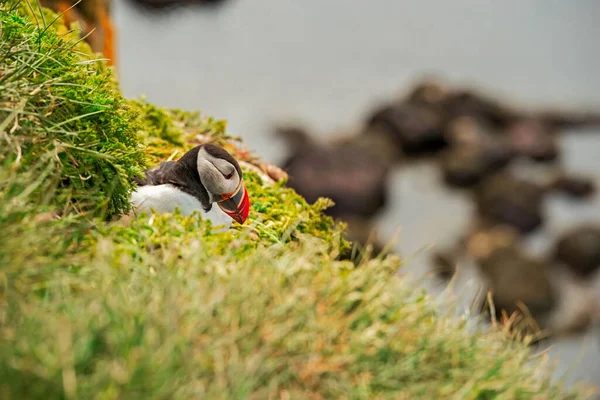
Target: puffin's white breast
[166,198]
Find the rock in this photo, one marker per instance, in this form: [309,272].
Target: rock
[47,216]
[274,172]
[577,305]
[414,129]
[483,240]
[468,103]
[429,92]
[475,152]
[579,250]
[534,139]
[513,276]
[570,119]
[460,102]
[505,200]
[350,172]
[577,187]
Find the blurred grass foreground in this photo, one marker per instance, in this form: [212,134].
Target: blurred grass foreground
[94,306]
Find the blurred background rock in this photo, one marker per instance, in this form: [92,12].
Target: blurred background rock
[327,67]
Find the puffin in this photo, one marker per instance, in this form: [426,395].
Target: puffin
[204,176]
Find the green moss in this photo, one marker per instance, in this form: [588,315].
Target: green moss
[60,102]
[169,133]
[159,124]
[166,306]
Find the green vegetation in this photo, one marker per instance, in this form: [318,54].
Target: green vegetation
[164,306]
[63,115]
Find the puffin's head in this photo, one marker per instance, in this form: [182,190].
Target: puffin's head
[222,177]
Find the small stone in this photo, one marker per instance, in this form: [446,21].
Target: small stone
[579,250]
[575,186]
[352,173]
[428,92]
[468,165]
[534,139]
[415,129]
[475,152]
[46,217]
[276,173]
[467,103]
[505,200]
[515,278]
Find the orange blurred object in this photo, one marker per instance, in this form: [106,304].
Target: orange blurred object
[94,19]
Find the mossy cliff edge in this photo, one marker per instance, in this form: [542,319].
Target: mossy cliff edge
[164,306]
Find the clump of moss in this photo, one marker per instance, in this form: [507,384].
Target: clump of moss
[161,309]
[158,123]
[166,306]
[169,133]
[58,101]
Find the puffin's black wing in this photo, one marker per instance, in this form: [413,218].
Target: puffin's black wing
[182,174]
[156,175]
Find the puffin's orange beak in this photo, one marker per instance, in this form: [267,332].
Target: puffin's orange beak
[237,204]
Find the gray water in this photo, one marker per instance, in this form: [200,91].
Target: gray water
[326,63]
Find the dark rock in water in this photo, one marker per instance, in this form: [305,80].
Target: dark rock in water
[534,139]
[519,284]
[513,276]
[353,173]
[574,186]
[568,120]
[505,200]
[167,4]
[468,166]
[464,131]
[415,129]
[466,103]
[460,102]
[430,92]
[579,250]
[474,153]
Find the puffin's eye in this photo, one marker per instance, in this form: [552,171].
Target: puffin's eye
[229,175]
